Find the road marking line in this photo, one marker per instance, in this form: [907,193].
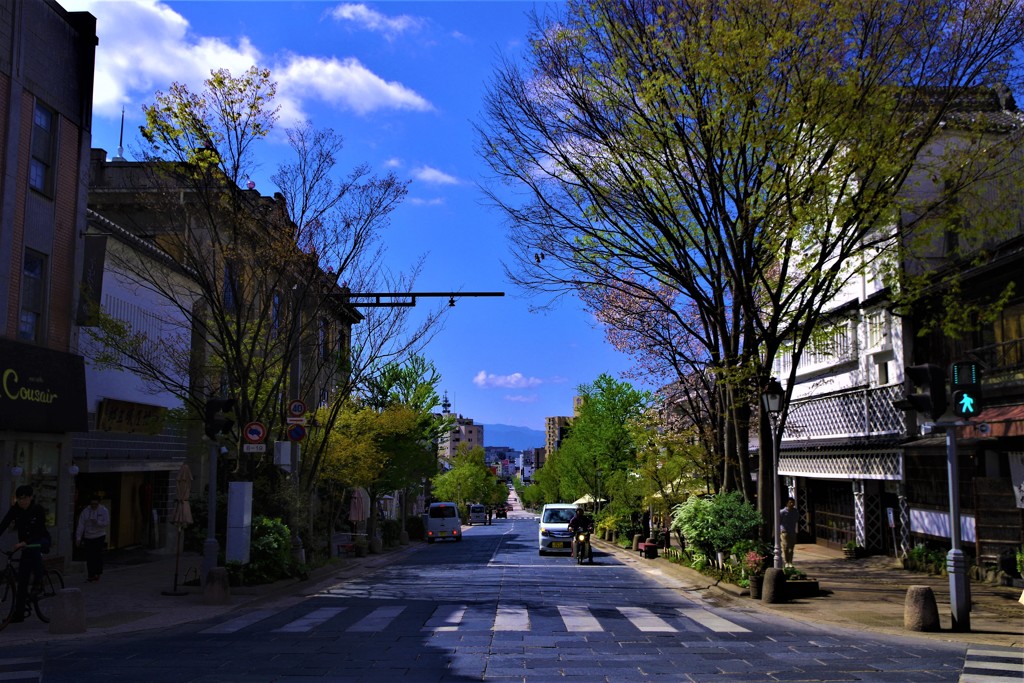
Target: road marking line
[238,623]
[711,621]
[578,618]
[992,666]
[377,620]
[311,620]
[511,618]
[645,620]
[445,618]
[975,678]
[1000,654]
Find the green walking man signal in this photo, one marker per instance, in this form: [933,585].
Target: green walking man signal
[965,381]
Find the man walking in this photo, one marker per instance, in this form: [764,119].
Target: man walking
[92,533]
[788,518]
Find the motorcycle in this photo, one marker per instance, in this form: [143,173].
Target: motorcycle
[584,551]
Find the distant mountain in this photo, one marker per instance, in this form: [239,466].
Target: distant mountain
[517,438]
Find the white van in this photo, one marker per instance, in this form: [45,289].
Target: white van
[443,521]
[554,534]
[477,514]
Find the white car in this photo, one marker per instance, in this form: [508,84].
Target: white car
[442,521]
[554,534]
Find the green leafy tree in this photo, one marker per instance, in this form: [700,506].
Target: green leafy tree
[600,447]
[385,442]
[730,167]
[469,480]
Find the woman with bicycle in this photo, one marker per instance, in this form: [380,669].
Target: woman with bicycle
[29,521]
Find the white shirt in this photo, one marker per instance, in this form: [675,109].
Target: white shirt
[93,523]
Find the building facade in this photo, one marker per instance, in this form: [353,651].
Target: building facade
[47,57]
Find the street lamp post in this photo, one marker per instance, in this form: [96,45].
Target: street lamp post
[772,398]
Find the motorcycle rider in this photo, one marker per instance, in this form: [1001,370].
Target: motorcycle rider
[581,521]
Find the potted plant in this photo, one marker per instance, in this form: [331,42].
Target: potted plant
[850,550]
[754,565]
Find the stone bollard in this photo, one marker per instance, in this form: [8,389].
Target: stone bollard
[217,588]
[637,540]
[403,538]
[774,587]
[920,613]
[68,612]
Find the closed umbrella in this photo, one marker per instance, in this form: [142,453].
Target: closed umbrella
[181,517]
[359,506]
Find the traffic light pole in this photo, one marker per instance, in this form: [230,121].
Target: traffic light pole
[956,563]
[211,548]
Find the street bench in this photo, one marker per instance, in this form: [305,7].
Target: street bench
[346,543]
[648,551]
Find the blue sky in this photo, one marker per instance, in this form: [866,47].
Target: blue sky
[403,83]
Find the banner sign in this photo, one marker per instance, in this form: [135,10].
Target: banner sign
[41,390]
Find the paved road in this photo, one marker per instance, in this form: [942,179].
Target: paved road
[489,608]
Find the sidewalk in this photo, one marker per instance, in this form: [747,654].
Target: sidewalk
[866,594]
[131,595]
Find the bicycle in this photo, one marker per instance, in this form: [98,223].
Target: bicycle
[51,582]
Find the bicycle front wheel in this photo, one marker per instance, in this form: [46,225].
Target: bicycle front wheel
[8,590]
[53,581]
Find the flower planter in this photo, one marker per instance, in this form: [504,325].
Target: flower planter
[756,585]
[850,553]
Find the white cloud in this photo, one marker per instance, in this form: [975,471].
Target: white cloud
[520,398]
[419,201]
[344,83]
[373,20]
[393,162]
[129,70]
[128,67]
[434,176]
[514,381]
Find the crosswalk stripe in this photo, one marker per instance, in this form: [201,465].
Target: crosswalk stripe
[645,620]
[994,666]
[311,620]
[578,618]
[512,618]
[711,621]
[377,620]
[445,618]
[993,661]
[238,623]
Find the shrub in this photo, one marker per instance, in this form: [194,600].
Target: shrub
[716,523]
[269,554]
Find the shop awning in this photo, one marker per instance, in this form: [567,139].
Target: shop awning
[1001,421]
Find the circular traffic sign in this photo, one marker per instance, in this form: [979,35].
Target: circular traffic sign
[296,408]
[254,432]
[296,432]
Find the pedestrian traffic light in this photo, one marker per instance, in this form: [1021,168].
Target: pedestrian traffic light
[216,421]
[926,390]
[965,381]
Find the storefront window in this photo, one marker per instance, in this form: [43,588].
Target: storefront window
[39,462]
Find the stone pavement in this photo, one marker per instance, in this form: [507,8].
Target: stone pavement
[133,593]
[866,594]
